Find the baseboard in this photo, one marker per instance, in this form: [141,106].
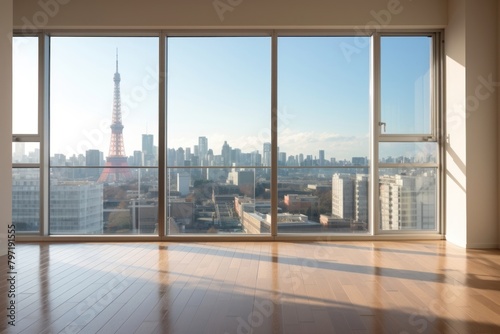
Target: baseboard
[483,246]
[464,244]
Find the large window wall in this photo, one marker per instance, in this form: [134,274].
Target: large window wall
[257,134]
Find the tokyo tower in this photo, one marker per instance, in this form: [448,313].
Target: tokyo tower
[116,158]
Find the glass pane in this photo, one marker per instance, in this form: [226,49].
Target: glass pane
[104,101]
[323,100]
[406,84]
[218,201]
[323,123]
[104,116]
[219,101]
[26,152]
[408,152]
[408,198]
[26,199]
[81,205]
[323,200]
[25,85]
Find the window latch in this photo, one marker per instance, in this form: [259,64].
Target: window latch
[382,124]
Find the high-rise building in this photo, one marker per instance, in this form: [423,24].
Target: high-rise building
[321,157]
[76,207]
[407,202]
[19,154]
[180,157]
[266,155]
[202,149]
[138,158]
[116,157]
[343,196]
[245,180]
[256,159]
[359,161]
[226,154]
[93,158]
[148,150]
[26,199]
[350,197]
[282,159]
[183,181]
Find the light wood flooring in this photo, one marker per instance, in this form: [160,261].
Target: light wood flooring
[253,287]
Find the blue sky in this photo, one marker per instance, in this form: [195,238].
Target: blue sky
[221,88]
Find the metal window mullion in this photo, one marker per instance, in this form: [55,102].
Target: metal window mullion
[375,133]
[439,126]
[392,138]
[274,134]
[162,110]
[43,128]
[408,165]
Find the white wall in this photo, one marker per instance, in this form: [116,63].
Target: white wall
[482,162]
[5,121]
[231,13]
[498,108]
[471,109]
[456,182]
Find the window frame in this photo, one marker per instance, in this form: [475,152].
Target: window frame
[437,129]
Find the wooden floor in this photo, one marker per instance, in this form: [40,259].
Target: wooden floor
[254,287]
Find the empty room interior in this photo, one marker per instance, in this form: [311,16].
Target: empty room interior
[236,166]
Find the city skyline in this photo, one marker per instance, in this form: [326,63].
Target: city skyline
[323,97]
[414,154]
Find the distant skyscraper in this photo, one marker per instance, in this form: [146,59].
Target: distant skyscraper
[226,154]
[282,159]
[266,155]
[321,157]
[19,152]
[148,150]
[138,158]
[359,161]
[116,157]
[203,149]
[183,181]
[180,157]
[93,158]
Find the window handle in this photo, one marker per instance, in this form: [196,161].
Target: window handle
[382,124]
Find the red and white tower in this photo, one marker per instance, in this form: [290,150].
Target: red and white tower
[116,168]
